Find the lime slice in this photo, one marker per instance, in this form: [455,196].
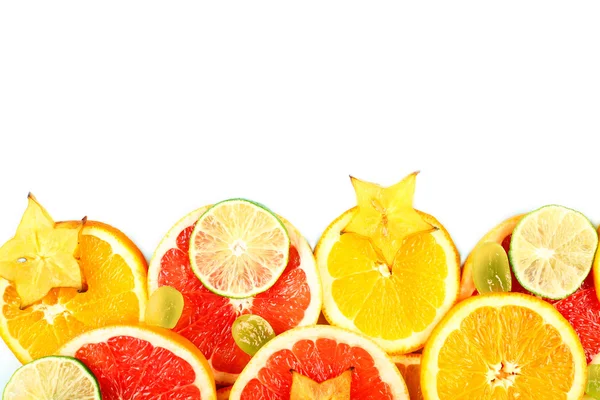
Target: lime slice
[165,307]
[593,383]
[552,250]
[53,377]
[251,332]
[491,270]
[239,248]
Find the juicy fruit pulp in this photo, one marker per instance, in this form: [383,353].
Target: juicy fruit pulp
[491,270]
[41,256]
[552,250]
[207,318]
[251,332]
[503,346]
[319,354]
[239,249]
[141,363]
[409,366]
[386,215]
[593,384]
[397,307]
[165,307]
[52,378]
[115,272]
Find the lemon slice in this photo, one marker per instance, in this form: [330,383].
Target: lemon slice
[53,377]
[239,248]
[552,250]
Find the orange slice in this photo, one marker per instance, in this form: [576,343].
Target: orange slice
[503,346]
[398,308]
[409,366]
[115,274]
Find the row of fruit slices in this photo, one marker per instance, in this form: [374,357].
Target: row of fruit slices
[233,278]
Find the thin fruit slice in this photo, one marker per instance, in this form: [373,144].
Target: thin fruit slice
[41,256]
[251,332]
[592,388]
[409,366]
[319,353]
[143,363]
[386,215]
[582,310]
[503,346]
[223,393]
[239,248]
[53,377]
[398,308]
[497,235]
[207,318]
[491,270]
[115,273]
[552,250]
[165,307]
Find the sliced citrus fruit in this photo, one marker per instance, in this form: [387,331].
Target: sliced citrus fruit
[143,363]
[223,393]
[207,318]
[239,248]
[552,250]
[397,308]
[316,355]
[409,366]
[53,377]
[503,346]
[582,310]
[115,274]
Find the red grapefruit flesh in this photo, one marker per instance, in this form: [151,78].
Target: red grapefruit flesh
[207,318]
[582,310]
[140,363]
[320,353]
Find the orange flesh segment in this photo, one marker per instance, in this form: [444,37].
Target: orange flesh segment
[509,338]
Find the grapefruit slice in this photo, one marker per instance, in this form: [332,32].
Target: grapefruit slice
[142,363]
[115,273]
[239,248]
[223,393]
[319,355]
[207,318]
[503,346]
[409,366]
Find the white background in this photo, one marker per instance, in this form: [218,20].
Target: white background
[136,113]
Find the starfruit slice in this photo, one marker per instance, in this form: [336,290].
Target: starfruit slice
[41,255]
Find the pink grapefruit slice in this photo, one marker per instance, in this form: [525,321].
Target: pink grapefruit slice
[294,300]
[320,355]
[142,364]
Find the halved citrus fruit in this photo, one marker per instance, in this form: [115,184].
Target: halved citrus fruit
[53,377]
[301,359]
[207,318]
[409,366]
[552,251]
[503,346]
[397,308]
[115,274]
[239,248]
[143,363]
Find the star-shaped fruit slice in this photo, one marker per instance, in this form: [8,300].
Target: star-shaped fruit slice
[386,215]
[41,255]
[337,388]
